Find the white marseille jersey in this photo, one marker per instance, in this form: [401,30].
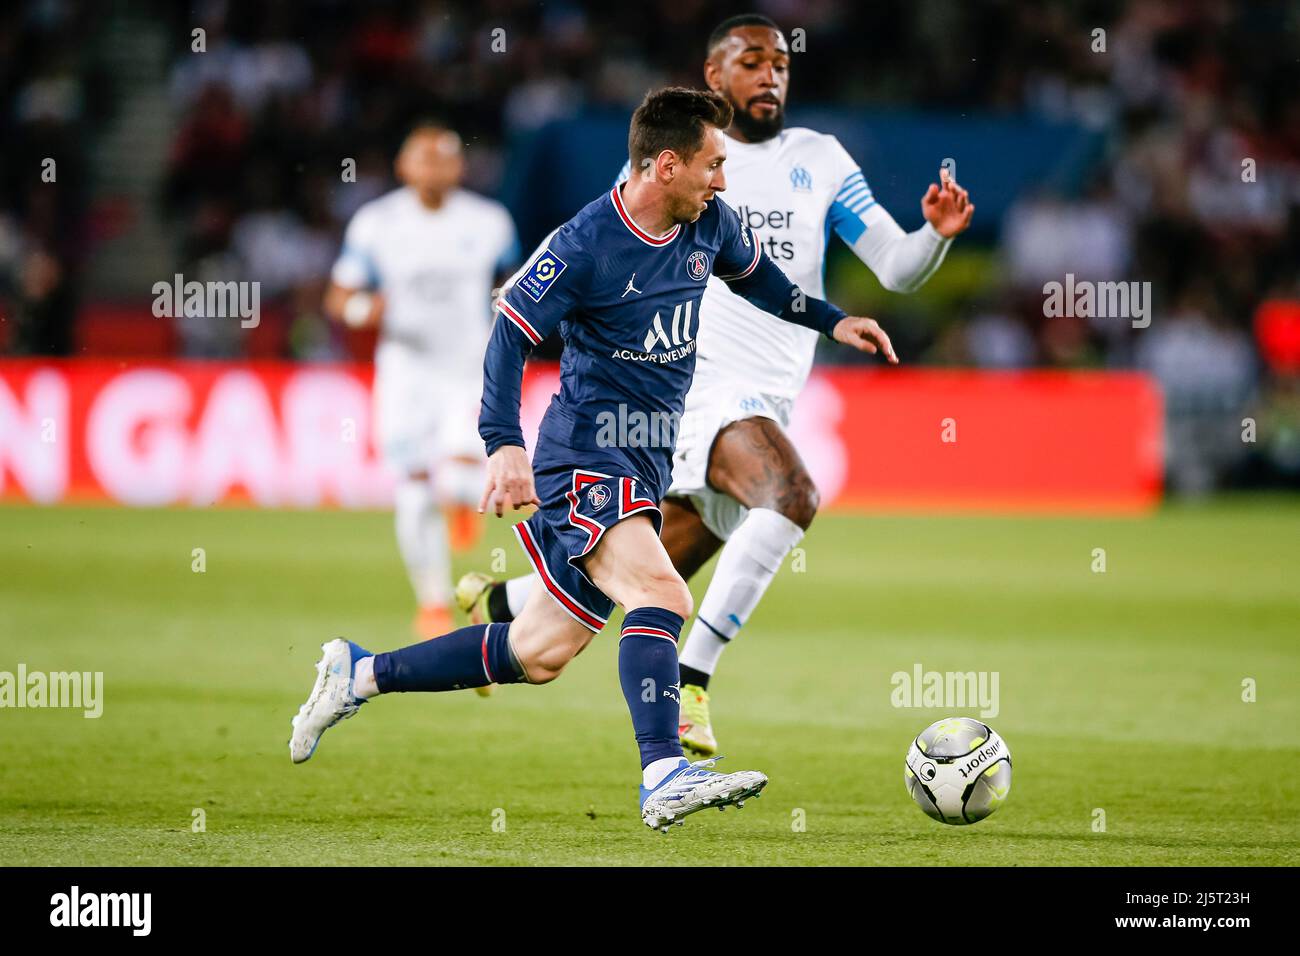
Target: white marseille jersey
[435,269]
[791,191]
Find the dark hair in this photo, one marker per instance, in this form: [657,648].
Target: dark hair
[724,28]
[428,124]
[674,118]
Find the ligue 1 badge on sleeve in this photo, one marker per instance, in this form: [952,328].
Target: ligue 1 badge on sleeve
[544,271]
[697,265]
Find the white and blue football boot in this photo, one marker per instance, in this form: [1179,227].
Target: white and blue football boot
[693,787]
[331,699]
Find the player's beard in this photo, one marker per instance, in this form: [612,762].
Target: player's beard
[687,211]
[758,130]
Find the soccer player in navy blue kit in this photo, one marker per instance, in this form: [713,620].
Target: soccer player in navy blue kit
[622,280]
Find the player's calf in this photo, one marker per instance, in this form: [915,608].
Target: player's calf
[469,657]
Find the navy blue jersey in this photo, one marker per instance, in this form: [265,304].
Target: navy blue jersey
[627,305]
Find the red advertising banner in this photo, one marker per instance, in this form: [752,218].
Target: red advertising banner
[285,435]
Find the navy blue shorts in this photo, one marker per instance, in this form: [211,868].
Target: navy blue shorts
[578,507]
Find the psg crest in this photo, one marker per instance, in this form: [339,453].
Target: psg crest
[597,495]
[697,265]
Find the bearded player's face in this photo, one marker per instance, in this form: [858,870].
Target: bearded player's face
[752,69]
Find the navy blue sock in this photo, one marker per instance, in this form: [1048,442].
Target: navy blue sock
[648,671]
[471,657]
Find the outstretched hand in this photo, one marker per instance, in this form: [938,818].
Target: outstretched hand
[865,335]
[509,481]
[947,207]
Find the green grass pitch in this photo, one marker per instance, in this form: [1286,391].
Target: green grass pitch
[1119,691]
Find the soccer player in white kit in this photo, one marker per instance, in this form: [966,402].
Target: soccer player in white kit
[420,262]
[737,477]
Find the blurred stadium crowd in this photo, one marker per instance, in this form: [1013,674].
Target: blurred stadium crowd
[248,183]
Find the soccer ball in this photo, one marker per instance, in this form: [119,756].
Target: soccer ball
[958,770]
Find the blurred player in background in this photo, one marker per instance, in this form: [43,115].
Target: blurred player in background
[737,477]
[420,264]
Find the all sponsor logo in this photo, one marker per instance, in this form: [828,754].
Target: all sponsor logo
[674,336]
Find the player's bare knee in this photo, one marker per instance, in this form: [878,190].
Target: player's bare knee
[800,500]
[681,603]
[667,591]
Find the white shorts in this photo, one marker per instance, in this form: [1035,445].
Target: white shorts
[710,408]
[425,413]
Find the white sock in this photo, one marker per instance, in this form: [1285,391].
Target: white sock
[363,679]
[749,561]
[517,591]
[422,539]
[656,770]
